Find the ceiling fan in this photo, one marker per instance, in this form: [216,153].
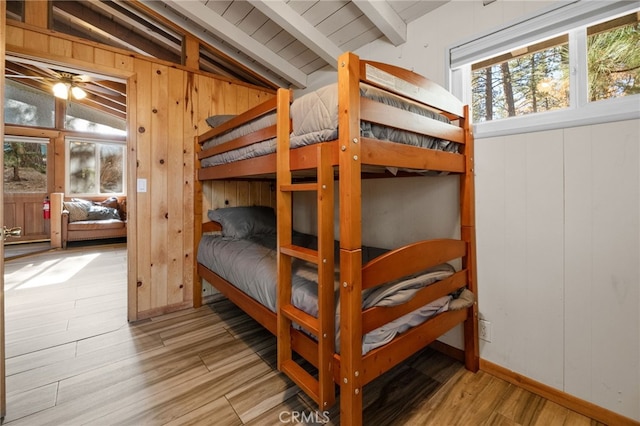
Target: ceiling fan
[63,84]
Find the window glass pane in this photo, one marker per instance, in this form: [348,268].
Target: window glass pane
[15,9]
[26,106]
[529,80]
[82,168]
[85,119]
[25,166]
[111,168]
[96,167]
[613,56]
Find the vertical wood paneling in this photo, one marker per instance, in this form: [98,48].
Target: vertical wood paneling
[143,201]
[204,101]
[159,169]
[37,13]
[544,246]
[175,187]
[126,63]
[104,58]
[35,40]
[60,47]
[14,36]
[520,217]
[189,113]
[602,277]
[82,52]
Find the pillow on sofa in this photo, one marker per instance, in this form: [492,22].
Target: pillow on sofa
[78,210]
[111,202]
[242,222]
[97,212]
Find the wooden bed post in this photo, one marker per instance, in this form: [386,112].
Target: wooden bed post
[468,234]
[197,209]
[350,240]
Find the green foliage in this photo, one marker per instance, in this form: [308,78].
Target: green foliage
[613,59]
[539,81]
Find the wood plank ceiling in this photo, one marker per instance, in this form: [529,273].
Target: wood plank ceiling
[269,43]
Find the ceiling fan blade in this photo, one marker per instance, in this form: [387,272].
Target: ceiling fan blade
[30,77]
[92,87]
[82,78]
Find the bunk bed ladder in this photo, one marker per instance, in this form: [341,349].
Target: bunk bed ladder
[322,389]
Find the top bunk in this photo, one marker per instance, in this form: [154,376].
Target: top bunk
[400,121]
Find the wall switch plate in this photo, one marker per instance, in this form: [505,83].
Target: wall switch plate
[484,330]
[142,185]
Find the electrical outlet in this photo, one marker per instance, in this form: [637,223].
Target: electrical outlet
[484,330]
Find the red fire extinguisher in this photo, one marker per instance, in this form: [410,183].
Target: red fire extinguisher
[46,208]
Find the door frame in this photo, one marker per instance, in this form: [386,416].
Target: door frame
[130,78]
[3,393]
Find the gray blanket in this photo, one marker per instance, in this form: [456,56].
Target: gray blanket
[250,265]
[315,119]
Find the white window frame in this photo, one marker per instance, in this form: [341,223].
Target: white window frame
[67,180]
[571,18]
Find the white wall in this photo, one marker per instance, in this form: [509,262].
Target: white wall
[557,228]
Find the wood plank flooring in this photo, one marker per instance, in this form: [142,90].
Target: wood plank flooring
[72,359]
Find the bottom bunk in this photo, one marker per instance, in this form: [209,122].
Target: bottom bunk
[398,316]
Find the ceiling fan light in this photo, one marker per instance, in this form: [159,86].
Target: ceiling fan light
[61,90]
[78,92]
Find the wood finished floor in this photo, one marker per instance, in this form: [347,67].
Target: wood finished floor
[72,359]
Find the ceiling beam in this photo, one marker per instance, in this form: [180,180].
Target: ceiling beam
[283,15]
[385,18]
[218,58]
[93,22]
[223,29]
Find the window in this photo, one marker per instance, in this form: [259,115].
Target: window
[95,167]
[572,64]
[26,106]
[525,81]
[84,119]
[25,164]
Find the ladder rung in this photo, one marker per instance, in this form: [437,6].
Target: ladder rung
[306,381]
[300,253]
[299,187]
[308,322]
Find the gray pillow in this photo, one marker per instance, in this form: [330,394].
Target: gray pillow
[102,213]
[243,222]
[78,210]
[216,120]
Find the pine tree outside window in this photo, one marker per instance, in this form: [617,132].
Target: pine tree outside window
[569,65]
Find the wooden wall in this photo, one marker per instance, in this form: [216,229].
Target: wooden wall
[219,194]
[167,106]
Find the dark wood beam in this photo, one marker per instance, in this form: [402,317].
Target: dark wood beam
[154,16]
[102,23]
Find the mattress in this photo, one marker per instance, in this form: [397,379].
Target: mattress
[250,265]
[315,119]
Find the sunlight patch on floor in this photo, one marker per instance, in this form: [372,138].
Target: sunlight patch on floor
[46,273]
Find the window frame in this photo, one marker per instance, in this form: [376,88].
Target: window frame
[67,181]
[573,19]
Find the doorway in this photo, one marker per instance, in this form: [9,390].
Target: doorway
[70,117]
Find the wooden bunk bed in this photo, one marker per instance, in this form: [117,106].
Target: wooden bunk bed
[351,156]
